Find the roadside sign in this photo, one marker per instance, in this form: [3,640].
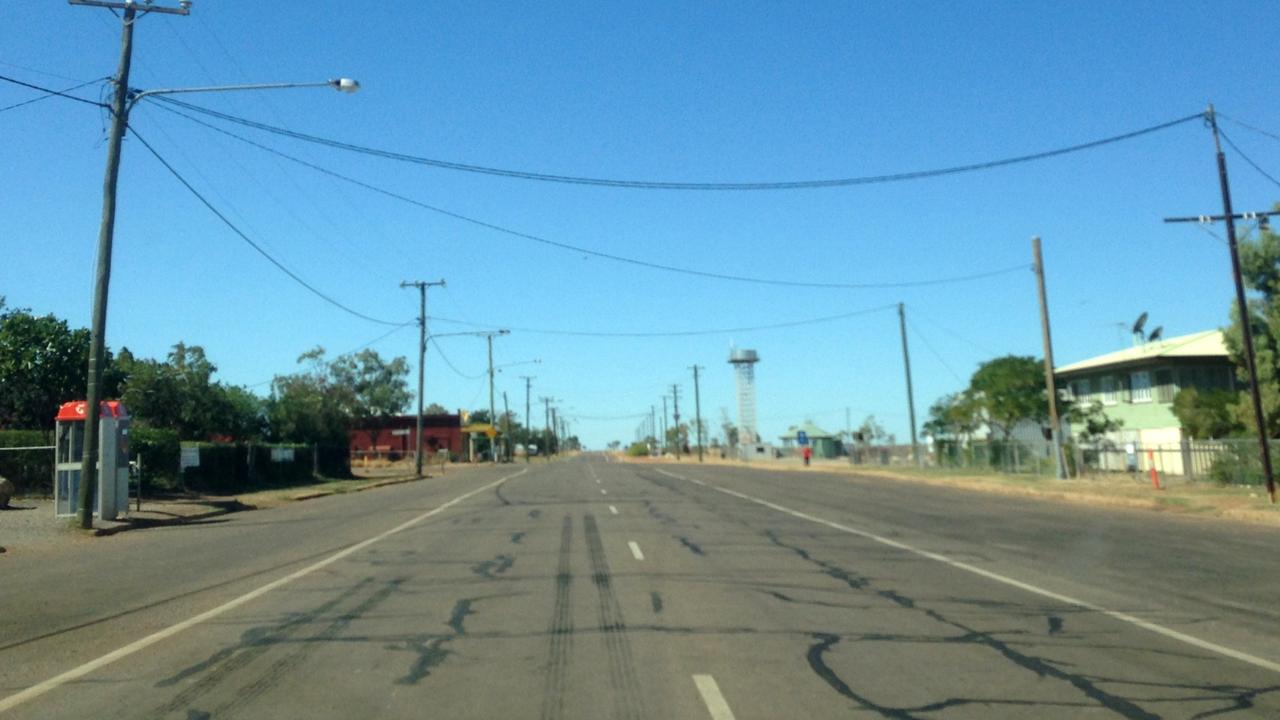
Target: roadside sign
[802,437]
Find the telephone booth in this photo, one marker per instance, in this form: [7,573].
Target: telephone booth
[112,493]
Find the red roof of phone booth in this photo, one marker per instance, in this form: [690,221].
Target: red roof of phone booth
[75,410]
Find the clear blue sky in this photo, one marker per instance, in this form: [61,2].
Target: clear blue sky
[687,91]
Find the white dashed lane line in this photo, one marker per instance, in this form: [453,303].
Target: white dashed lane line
[710,692]
[604,492]
[1254,660]
[613,510]
[635,549]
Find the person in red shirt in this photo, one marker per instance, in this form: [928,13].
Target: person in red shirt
[806,452]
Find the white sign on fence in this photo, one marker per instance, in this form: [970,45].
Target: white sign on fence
[400,432]
[279,454]
[190,457]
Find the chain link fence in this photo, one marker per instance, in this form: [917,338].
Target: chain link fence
[1225,462]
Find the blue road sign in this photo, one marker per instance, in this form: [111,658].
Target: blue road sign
[802,437]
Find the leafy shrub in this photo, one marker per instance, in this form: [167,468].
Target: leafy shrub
[638,449]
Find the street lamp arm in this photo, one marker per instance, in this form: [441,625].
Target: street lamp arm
[346,85]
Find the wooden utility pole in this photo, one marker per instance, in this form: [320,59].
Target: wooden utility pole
[422,360]
[911,400]
[697,409]
[1051,389]
[1259,417]
[675,409]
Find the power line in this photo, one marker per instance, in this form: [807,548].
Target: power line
[661,185]
[448,362]
[934,351]
[38,71]
[1247,159]
[294,276]
[596,253]
[1247,126]
[51,91]
[48,95]
[674,333]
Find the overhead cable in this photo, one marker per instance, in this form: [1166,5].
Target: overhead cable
[448,362]
[1247,159]
[279,265]
[51,91]
[675,333]
[664,185]
[596,253]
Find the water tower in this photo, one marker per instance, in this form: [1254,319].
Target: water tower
[744,362]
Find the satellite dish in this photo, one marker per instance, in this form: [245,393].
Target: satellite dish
[1138,325]
[1155,334]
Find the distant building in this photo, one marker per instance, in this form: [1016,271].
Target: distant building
[824,444]
[396,439]
[1136,386]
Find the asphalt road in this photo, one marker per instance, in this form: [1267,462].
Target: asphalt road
[593,589]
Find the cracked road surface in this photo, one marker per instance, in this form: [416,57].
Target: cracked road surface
[711,592]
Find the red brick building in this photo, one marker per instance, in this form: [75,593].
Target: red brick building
[396,440]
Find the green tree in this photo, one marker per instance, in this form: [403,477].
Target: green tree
[1007,389]
[1260,269]
[180,394]
[1092,420]
[435,409]
[951,416]
[308,406]
[43,363]
[1208,414]
[379,390]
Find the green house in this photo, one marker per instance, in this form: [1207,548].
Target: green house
[824,444]
[1136,386]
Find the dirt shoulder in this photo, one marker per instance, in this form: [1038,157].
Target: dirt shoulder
[1236,503]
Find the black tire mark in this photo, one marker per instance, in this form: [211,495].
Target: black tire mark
[286,665]
[693,546]
[516,538]
[655,599]
[492,568]
[820,668]
[560,630]
[253,642]
[628,701]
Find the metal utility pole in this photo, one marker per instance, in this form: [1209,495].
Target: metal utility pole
[1051,388]
[1230,217]
[528,419]
[106,236]
[911,400]
[422,359]
[675,409]
[555,430]
[697,409]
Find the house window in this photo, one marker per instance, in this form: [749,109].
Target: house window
[1165,389]
[1108,390]
[1140,386]
[1082,389]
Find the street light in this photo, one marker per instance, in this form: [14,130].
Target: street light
[122,102]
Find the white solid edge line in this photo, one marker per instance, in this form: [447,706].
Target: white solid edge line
[1006,580]
[710,693]
[41,688]
[635,549]
[613,510]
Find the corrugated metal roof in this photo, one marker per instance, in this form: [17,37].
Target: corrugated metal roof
[1209,343]
[813,431]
